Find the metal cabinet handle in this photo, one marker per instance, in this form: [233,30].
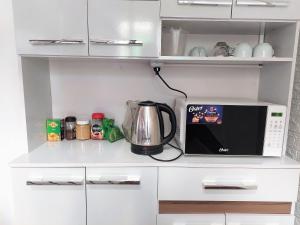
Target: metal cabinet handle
[215,184]
[262,3]
[56,42]
[53,183]
[118,42]
[204,2]
[125,180]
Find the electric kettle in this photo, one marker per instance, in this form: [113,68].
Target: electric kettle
[144,126]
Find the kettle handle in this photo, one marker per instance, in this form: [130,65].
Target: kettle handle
[167,109]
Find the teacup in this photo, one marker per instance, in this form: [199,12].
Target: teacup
[198,52]
[264,50]
[243,50]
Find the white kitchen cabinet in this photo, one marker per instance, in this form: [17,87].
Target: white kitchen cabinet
[219,9]
[261,219]
[189,219]
[48,196]
[120,28]
[51,27]
[123,196]
[212,184]
[266,9]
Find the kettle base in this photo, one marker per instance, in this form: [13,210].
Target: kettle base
[146,150]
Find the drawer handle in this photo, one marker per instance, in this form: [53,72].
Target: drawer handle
[229,185]
[56,42]
[262,3]
[118,42]
[54,183]
[204,2]
[125,180]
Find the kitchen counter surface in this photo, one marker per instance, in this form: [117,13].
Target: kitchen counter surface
[104,154]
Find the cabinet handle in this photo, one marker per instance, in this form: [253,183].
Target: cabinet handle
[214,184]
[204,2]
[56,42]
[262,3]
[125,180]
[55,182]
[118,42]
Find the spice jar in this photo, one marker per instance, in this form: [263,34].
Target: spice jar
[70,127]
[97,132]
[83,130]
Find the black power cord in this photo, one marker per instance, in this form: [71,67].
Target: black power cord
[169,160]
[157,70]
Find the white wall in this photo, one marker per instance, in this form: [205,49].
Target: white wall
[83,86]
[12,118]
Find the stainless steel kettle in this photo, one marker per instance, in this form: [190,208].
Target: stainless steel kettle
[144,126]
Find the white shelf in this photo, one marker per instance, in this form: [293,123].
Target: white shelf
[221,60]
[93,153]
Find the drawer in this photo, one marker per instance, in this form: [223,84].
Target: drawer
[196,8]
[267,9]
[228,184]
[185,219]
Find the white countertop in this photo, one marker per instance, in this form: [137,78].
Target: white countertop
[104,154]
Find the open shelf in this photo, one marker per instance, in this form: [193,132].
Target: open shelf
[221,60]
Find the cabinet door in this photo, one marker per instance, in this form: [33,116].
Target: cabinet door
[189,219]
[45,196]
[123,196]
[220,9]
[254,219]
[123,28]
[266,9]
[51,27]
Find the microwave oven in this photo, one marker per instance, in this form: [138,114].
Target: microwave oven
[234,127]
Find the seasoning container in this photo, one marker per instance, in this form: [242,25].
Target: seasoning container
[53,130]
[97,132]
[70,128]
[62,129]
[83,130]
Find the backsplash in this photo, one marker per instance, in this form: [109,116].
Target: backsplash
[83,86]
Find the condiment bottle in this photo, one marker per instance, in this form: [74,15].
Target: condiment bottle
[70,123]
[97,132]
[83,130]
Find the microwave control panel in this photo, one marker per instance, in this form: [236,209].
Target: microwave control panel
[275,127]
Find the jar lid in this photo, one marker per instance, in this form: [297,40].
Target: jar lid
[98,116]
[83,122]
[70,119]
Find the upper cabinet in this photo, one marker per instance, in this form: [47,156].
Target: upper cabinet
[220,9]
[266,9]
[51,27]
[123,28]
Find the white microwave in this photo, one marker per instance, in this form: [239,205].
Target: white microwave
[235,127]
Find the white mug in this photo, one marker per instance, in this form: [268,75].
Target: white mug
[264,50]
[243,50]
[198,52]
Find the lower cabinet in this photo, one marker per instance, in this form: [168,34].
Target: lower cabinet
[121,196]
[263,219]
[49,196]
[222,219]
[191,219]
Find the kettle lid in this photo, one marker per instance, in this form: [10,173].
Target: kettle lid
[147,103]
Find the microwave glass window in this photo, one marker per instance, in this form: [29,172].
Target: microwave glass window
[232,130]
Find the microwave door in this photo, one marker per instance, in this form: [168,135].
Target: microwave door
[239,130]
